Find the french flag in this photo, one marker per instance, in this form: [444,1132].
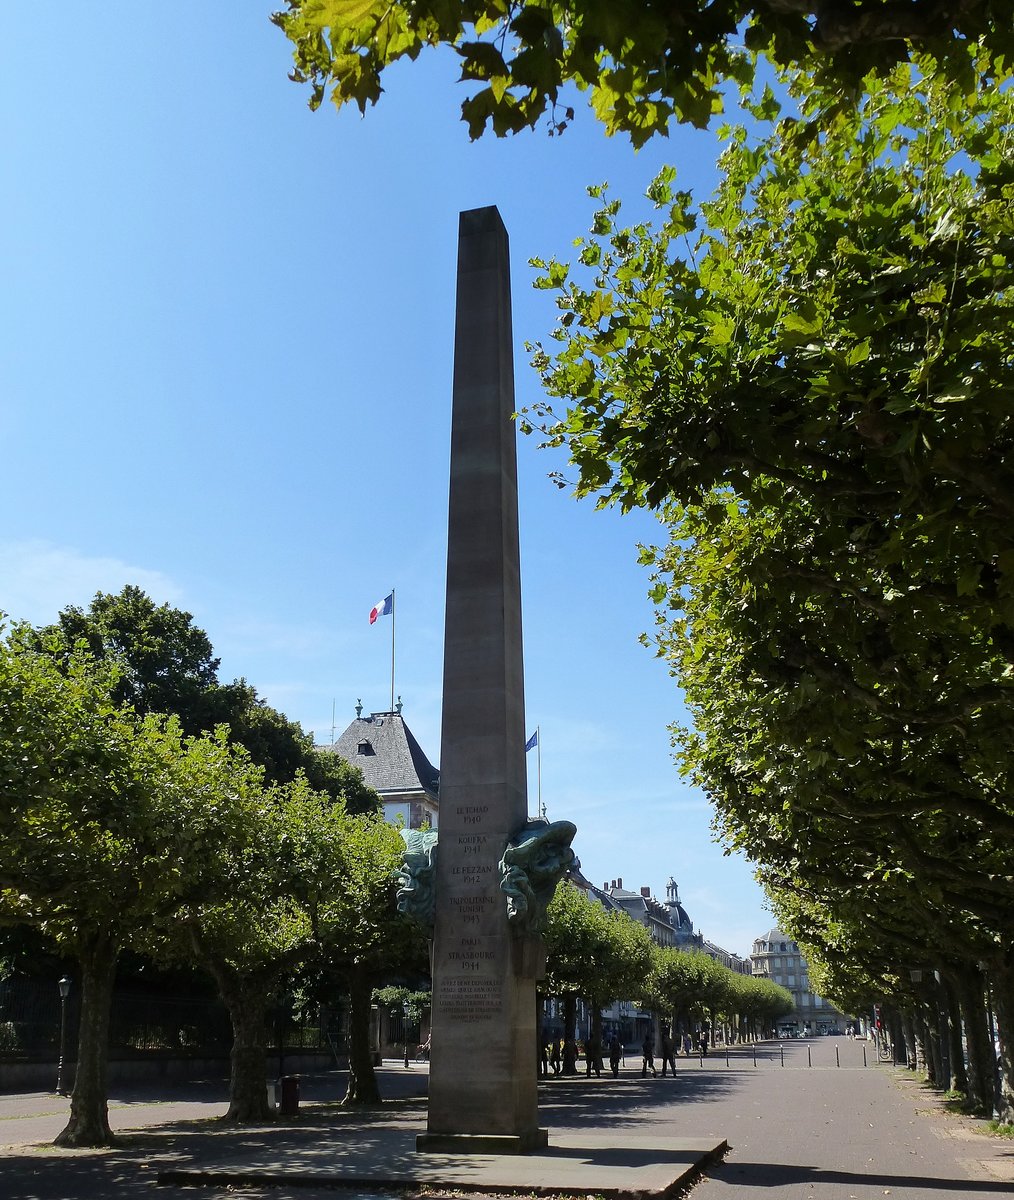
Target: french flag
[383,608]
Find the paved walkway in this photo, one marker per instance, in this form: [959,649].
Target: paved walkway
[815,1127]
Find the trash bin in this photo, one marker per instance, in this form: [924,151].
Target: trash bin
[290,1095]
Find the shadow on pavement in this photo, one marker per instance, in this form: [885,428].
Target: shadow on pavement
[771,1175]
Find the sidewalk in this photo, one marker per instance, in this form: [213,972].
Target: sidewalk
[821,1131]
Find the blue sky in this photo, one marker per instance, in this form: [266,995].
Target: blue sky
[225,365]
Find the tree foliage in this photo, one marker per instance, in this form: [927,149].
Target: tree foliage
[814,390]
[166,664]
[592,953]
[108,824]
[291,894]
[642,64]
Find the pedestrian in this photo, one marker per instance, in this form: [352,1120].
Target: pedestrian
[704,1043]
[668,1058]
[570,1057]
[544,1057]
[648,1051]
[688,1045]
[592,1055]
[615,1054]
[555,1054]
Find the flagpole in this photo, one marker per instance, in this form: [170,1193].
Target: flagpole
[538,746]
[393,609]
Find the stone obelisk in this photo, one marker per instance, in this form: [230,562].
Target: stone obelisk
[483,1067]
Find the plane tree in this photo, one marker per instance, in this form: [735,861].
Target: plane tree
[597,955]
[290,895]
[809,378]
[108,823]
[641,64]
[368,941]
[757,1003]
[166,664]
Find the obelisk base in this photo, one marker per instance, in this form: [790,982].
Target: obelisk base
[481,1143]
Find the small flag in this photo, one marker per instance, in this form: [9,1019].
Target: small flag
[532,742]
[383,608]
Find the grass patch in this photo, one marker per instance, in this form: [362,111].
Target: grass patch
[998,1129]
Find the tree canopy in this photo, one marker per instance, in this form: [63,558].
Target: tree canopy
[108,824]
[166,664]
[641,63]
[810,379]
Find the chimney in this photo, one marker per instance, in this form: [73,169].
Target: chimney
[619,884]
[646,893]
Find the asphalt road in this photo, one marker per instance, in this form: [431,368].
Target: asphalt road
[808,1122]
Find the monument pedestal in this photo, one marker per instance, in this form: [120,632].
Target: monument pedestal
[482,1143]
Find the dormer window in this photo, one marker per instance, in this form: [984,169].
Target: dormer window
[365,747]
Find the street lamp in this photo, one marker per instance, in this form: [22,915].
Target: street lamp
[404,1007]
[64,986]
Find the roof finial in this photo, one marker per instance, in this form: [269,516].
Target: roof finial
[398,707]
[359,707]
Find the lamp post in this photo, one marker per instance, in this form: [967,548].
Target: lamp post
[404,1007]
[64,986]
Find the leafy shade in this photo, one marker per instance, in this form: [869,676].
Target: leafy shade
[641,64]
[165,664]
[815,393]
[108,824]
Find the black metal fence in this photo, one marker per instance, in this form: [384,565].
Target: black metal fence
[145,1024]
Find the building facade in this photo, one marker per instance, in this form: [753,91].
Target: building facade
[777,957]
[383,747]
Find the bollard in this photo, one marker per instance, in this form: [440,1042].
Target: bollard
[864,1056]
[781,1051]
[837,1057]
[809,1061]
[726,1055]
[755,1054]
[702,1058]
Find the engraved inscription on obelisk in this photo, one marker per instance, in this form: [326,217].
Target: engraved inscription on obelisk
[483,1078]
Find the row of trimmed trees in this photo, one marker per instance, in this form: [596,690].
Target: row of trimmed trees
[809,376]
[119,830]
[602,957]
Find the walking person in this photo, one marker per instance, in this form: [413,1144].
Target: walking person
[555,1054]
[592,1055]
[615,1054]
[668,1056]
[648,1051]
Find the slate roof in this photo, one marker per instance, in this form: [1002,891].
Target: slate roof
[392,762]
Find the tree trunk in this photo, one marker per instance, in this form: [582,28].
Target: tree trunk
[597,1034]
[1002,980]
[908,1028]
[89,1107]
[247,1001]
[931,1025]
[955,1049]
[970,991]
[919,1028]
[569,1033]
[362,1089]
